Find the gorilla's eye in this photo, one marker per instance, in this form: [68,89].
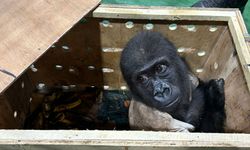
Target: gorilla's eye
[142,78]
[161,68]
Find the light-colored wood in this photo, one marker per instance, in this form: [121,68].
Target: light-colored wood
[237,100]
[247,38]
[241,47]
[122,138]
[21,139]
[181,37]
[28,28]
[233,18]
[163,13]
[218,57]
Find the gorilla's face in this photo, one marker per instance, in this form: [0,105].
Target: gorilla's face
[157,84]
[154,72]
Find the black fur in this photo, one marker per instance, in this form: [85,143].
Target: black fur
[158,77]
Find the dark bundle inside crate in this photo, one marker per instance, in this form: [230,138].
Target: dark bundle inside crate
[77,83]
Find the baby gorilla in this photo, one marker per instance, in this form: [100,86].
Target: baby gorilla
[158,77]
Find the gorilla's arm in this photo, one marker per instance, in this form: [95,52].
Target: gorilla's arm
[206,111]
[214,113]
[196,107]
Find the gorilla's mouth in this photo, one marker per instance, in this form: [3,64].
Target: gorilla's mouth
[172,102]
[166,103]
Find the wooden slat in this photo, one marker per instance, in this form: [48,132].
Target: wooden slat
[237,101]
[29,27]
[163,13]
[241,47]
[122,138]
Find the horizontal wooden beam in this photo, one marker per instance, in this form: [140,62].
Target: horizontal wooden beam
[163,13]
[122,138]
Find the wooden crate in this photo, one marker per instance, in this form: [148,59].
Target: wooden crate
[212,40]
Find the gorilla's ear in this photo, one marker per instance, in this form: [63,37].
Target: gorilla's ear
[194,80]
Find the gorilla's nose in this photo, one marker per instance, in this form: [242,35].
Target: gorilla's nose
[161,88]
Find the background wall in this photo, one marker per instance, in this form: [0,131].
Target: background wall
[183,3]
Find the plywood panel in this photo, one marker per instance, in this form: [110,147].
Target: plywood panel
[237,102]
[115,35]
[28,28]
[14,104]
[77,51]
[7,120]
[218,57]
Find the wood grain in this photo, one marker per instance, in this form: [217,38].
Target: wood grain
[117,35]
[83,49]
[123,138]
[163,13]
[28,28]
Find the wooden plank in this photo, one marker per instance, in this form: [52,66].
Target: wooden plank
[28,28]
[218,57]
[237,101]
[242,48]
[84,147]
[18,96]
[163,13]
[181,37]
[122,138]
[7,121]
[74,52]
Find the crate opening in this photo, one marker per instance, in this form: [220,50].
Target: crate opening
[77,83]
